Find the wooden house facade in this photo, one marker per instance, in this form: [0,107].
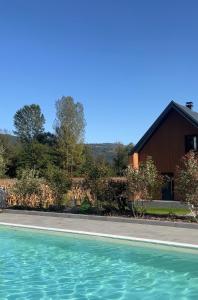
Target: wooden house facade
[172,135]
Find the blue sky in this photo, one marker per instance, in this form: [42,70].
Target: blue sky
[124,60]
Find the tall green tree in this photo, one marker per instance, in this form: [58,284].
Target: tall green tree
[11,147]
[36,156]
[35,151]
[121,159]
[88,160]
[70,128]
[29,122]
[2,162]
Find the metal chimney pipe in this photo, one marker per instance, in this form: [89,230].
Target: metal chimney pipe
[189,104]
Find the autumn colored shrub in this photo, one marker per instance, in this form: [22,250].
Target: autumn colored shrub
[30,191]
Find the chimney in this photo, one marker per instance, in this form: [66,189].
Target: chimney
[189,105]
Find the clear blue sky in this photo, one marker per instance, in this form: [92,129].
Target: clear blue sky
[124,60]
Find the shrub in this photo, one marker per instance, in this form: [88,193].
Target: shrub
[96,181]
[59,182]
[28,183]
[85,206]
[116,195]
[30,191]
[186,181]
[143,184]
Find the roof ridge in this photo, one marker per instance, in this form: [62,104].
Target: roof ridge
[187,113]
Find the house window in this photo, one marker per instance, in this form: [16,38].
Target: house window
[191,143]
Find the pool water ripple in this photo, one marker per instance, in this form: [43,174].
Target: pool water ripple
[37,265]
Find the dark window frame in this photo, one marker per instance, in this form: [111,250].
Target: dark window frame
[189,147]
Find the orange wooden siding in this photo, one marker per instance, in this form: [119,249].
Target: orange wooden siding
[135,160]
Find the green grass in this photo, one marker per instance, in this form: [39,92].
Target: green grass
[167,211]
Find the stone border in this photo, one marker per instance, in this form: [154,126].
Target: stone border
[105,218]
[104,235]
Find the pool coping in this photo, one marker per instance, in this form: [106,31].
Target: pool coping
[168,223]
[104,235]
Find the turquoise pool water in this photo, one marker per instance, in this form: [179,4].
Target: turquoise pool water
[40,265]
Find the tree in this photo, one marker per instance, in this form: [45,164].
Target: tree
[59,182]
[2,162]
[29,122]
[96,180]
[121,159]
[70,128]
[117,195]
[36,156]
[37,149]
[47,138]
[88,162]
[143,184]
[186,181]
[11,147]
[129,148]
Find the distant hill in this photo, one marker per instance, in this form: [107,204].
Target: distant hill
[11,138]
[106,150]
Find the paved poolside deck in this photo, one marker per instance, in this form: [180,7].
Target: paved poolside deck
[145,231]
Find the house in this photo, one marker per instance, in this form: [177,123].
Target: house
[172,135]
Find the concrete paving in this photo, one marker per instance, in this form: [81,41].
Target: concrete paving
[162,233]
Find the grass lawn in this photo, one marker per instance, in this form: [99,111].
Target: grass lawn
[167,211]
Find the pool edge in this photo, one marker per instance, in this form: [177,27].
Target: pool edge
[105,235]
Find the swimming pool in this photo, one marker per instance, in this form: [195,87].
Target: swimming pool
[43,265]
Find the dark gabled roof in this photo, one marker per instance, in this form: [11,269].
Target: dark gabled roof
[184,111]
